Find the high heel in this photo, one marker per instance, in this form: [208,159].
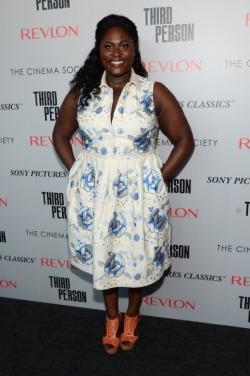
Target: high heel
[112,326]
[128,338]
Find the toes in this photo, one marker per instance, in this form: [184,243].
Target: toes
[109,347]
[126,343]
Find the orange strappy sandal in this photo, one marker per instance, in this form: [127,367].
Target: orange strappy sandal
[128,336]
[112,326]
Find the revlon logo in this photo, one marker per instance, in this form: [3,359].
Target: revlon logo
[3,202]
[244,143]
[173,66]
[56,263]
[170,303]
[241,281]
[182,212]
[47,141]
[247,19]
[49,32]
[5,284]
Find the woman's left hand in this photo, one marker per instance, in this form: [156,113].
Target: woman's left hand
[174,124]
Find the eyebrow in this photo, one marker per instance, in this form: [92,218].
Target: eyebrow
[119,42]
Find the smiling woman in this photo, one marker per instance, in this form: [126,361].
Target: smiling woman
[117,55]
[117,201]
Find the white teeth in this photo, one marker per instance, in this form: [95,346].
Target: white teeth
[117,62]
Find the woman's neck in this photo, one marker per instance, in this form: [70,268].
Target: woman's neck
[118,82]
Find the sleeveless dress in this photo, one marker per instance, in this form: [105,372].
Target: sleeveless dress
[117,202]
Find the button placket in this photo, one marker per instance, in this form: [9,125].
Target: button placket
[116,121]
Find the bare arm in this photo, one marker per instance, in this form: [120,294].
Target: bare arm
[174,124]
[65,127]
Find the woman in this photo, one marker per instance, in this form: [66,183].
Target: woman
[118,209]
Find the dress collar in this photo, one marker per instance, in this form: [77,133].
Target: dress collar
[134,79]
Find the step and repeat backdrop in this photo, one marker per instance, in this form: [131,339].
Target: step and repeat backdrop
[199,50]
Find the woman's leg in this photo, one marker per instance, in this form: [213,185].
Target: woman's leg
[111,302]
[111,339]
[135,299]
[130,334]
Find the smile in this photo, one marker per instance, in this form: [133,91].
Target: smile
[117,63]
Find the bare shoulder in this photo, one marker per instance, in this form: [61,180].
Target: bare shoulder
[67,118]
[71,98]
[163,96]
[159,89]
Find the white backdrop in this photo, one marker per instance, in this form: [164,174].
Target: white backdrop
[199,50]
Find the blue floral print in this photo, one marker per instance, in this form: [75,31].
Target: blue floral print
[120,130]
[142,142]
[114,266]
[88,179]
[137,276]
[81,103]
[87,141]
[105,130]
[98,110]
[152,181]
[104,151]
[117,225]
[120,185]
[117,209]
[85,252]
[159,257]
[147,103]
[85,218]
[137,238]
[157,220]
[154,134]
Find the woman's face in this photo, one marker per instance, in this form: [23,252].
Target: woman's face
[117,52]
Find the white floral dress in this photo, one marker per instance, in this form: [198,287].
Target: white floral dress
[117,202]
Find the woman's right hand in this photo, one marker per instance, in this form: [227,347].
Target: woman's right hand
[65,127]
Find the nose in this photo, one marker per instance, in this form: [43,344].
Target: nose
[116,51]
